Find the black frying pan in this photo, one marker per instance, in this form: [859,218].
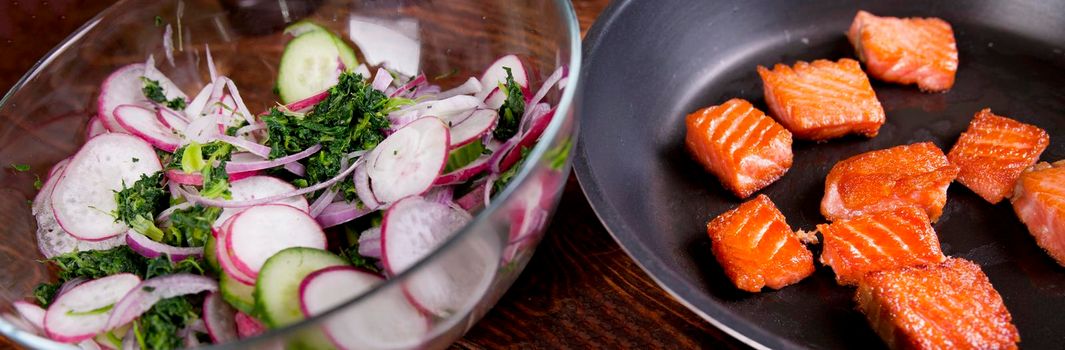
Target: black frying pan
[649,63]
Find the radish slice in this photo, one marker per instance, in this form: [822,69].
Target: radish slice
[256,187]
[452,106]
[370,242]
[248,326]
[473,127]
[465,173]
[94,127]
[495,99]
[84,196]
[413,227]
[362,188]
[70,284]
[261,231]
[18,323]
[124,86]
[472,85]
[528,140]
[147,293]
[225,261]
[170,118]
[145,124]
[386,322]
[220,319]
[31,313]
[381,80]
[341,212]
[83,312]
[196,179]
[495,74]
[58,167]
[407,162]
[151,249]
[52,240]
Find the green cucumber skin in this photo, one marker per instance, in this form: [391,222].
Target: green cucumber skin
[282,274]
[290,70]
[210,257]
[237,294]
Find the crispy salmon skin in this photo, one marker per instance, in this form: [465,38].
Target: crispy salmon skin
[756,247]
[916,174]
[994,151]
[918,51]
[1039,201]
[877,242]
[740,145]
[822,100]
[947,306]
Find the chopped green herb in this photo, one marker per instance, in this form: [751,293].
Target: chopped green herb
[95,264]
[463,156]
[37,184]
[158,327]
[136,160]
[191,227]
[45,293]
[20,167]
[512,109]
[137,205]
[558,155]
[158,21]
[351,253]
[153,91]
[509,174]
[197,158]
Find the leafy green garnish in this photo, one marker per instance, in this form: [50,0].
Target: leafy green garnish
[99,263]
[158,21]
[163,266]
[190,227]
[352,118]
[157,329]
[196,158]
[512,110]
[137,205]
[37,184]
[153,91]
[463,156]
[558,155]
[20,167]
[508,175]
[351,253]
[45,293]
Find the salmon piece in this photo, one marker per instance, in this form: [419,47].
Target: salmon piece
[1039,201]
[906,50]
[947,306]
[881,180]
[879,241]
[993,153]
[740,145]
[757,248]
[822,100]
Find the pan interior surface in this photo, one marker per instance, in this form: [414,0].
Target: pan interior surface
[653,62]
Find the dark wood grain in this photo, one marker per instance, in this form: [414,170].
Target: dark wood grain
[579,291]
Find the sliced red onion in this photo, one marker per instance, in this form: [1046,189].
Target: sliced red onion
[563,82]
[190,338]
[168,44]
[210,62]
[322,201]
[195,107]
[195,179]
[488,189]
[405,89]
[370,243]
[194,197]
[431,90]
[151,249]
[148,292]
[440,194]
[203,129]
[70,284]
[254,148]
[362,188]
[528,140]
[546,87]
[340,212]
[307,103]
[472,85]
[165,214]
[296,169]
[382,80]
[401,119]
[240,101]
[248,129]
[531,115]
[472,200]
[236,167]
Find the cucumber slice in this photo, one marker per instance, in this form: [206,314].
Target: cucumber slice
[309,64]
[210,257]
[237,294]
[277,294]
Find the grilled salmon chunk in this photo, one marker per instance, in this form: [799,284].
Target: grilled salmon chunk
[879,241]
[993,153]
[1039,201]
[881,180]
[740,145]
[757,248]
[947,306]
[823,99]
[918,51]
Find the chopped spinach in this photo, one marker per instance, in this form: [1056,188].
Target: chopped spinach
[512,110]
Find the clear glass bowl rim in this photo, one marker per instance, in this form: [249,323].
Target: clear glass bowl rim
[563,112]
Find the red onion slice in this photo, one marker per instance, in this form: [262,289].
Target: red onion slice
[68,285]
[195,107]
[473,199]
[165,214]
[241,107]
[370,243]
[472,85]
[322,201]
[254,148]
[341,212]
[307,103]
[363,190]
[247,203]
[210,62]
[382,80]
[236,167]
[404,89]
[148,292]
[151,249]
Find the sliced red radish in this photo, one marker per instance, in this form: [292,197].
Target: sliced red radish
[58,167]
[474,199]
[196,179]
[84,196]
[528,140]
[151,249]
[220,319]
[407,162]
[362,187]
[147,293]
[171,119]
[341,212]
[480,122]
[259,232]
[386,322]
[94,127]
[495,99]
[83,312]
[495,74]
[248,326]
[124,86]
[471,86]
[225,261]
[52,240]
[18,323]
[31,313]
[144,123]
[255,187]
[413,227]
[452,106]
[465,173]
[370,242]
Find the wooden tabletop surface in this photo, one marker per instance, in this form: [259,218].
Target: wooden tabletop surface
[579,291]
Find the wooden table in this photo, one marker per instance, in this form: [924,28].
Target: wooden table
[579,291]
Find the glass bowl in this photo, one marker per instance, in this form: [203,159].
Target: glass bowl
[45,113]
